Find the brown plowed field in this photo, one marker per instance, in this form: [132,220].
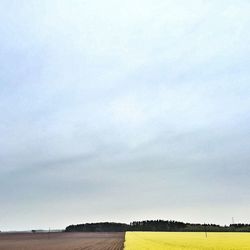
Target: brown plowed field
[61,241]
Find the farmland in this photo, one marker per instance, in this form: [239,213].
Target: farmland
[61,241]
[187,241]
[133,241]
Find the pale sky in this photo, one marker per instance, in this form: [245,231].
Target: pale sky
[124,110]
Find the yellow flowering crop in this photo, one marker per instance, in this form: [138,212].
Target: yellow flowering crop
[187,241]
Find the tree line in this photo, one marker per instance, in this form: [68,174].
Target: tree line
[156,225]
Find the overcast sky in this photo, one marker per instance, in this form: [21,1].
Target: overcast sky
[124,110]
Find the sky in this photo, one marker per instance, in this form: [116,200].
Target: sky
[124,110]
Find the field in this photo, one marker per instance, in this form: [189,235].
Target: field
[133,241]
[187,241]
[61,241]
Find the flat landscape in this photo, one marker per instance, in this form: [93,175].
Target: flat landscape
[187,241]
[133,241]
[61,241]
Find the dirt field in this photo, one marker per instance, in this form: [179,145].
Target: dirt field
[61,241]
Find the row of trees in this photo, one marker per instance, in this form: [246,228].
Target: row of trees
[156,225]
[98,227]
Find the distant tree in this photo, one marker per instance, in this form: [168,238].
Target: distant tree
[156,225]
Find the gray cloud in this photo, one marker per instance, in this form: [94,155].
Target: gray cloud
[123,111]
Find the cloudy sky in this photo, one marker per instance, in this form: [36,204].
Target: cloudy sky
[124,110]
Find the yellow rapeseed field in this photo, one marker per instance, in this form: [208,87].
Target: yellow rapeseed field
[187,241]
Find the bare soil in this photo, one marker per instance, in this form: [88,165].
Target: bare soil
[61,241]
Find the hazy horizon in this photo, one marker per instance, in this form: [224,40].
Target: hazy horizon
[122,111]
